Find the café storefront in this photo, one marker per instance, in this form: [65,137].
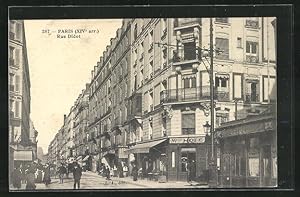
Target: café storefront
[170,156]
[248,152]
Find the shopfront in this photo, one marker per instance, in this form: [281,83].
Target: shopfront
[170,157]
[183,151]
[249,152]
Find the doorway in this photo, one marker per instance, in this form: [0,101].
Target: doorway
[187,156]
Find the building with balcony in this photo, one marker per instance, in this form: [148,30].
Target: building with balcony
[108,100]
[81,124]
[20,138]
[173,82]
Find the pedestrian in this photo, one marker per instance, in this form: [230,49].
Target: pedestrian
[47,179]
[16,178]
[107,173]
[120,170]
[134,172]
[77,172]
[30,176]
[191,168]
[61,172]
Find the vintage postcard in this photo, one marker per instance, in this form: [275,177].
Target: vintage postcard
[142,103]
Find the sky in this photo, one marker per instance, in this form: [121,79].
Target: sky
[60,67]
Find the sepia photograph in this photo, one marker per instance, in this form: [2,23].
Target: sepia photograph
[142,103]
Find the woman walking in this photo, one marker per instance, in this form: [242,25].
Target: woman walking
[47,179]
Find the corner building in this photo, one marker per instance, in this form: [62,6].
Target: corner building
[170,94]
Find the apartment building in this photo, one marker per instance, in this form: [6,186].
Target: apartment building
[20,144]
[108,100]
[173,81]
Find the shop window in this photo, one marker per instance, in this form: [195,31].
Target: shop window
[188,124]
[254,167]
[274,167]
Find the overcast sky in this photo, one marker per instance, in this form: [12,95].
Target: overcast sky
[60,67]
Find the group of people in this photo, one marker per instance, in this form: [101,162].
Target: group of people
[120,170]
[74,168]
[30,174]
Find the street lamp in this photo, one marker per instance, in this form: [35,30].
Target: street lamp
[207,128]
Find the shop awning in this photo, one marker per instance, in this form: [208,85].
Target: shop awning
[86,158]
[24,155]
[144,147]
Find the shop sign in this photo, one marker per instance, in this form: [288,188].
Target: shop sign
[187,140]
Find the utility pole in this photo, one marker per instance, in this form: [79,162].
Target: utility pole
[213,171]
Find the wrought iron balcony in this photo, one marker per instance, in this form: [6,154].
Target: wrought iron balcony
[222,20]
[252,24]
[184,55]
[188,131]
[221,95]
[181,22]
[185,94]
[252,58]
[251,98]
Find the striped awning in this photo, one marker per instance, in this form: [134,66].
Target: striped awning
[24,155]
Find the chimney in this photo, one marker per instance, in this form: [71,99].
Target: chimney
[65,117]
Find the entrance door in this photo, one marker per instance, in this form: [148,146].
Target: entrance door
[187,156]
[266,166]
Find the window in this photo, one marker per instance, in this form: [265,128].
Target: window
[252,22]
[135,32]
[189,81]
[222,44]
[11,82]
[221,118]
[189,51]
[17,109]
[188,124]
[222,20]
[17,83]
[239,42]
[251,52]
[150,130]
[252,91]
[254,167]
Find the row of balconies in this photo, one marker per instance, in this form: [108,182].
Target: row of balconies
[194,54]
[181,22]
[201,93]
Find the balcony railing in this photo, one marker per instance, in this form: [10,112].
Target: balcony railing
[251,98]
[188,54]
[188,131]
[186,22]
[221,95]
[222,20]
[185,94]
[251,58]
[252,24]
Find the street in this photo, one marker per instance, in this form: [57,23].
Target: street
[91,180]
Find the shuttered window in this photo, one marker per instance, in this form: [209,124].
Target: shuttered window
[188,123]
[222,44]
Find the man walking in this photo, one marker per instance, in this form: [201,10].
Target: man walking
[77,172]
[61,172]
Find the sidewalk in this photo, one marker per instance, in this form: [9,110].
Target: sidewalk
[152,184]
